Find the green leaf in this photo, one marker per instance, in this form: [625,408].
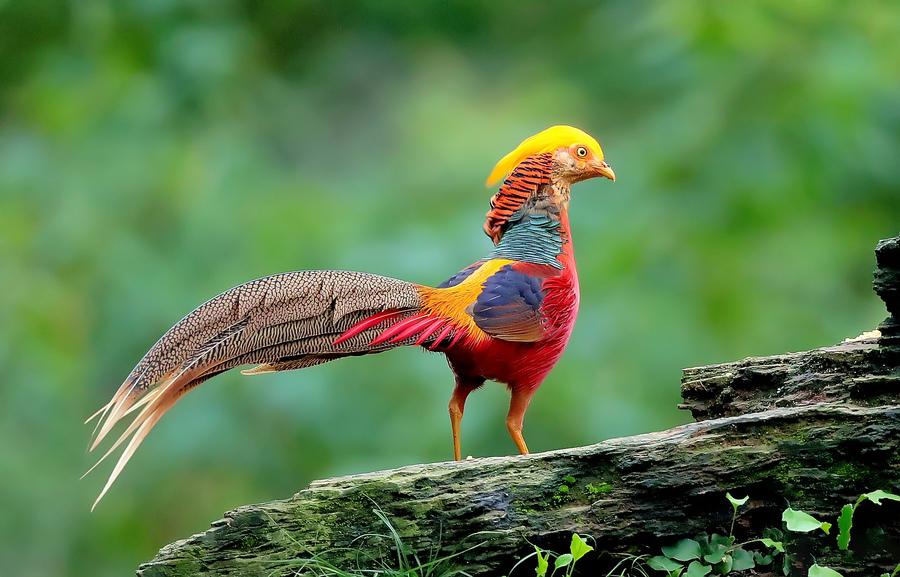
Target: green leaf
[697,569]
[579,547]
[743,560]
[877,496]
[661,563]
[716,554]
[563,560]
[773,533]
[845,522]
[803,522]
[762,559]
[684,550]
[542,565]
[725,565]
[770,543]
[717,540]
[569,479]
[736,502]
[703,540]
[818,571]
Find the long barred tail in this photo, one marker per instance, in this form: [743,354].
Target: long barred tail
[282,322]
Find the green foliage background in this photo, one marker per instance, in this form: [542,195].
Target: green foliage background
[154,153]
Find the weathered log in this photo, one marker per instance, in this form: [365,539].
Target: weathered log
[887,277]
[859,373]
[640,492]
[811,430]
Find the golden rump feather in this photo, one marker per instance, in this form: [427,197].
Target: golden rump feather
[544,141]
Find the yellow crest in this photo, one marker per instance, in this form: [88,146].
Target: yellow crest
[544,141]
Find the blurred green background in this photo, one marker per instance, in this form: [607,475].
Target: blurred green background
[154,153]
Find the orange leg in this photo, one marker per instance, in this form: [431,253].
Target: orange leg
[457,406]
[518,403]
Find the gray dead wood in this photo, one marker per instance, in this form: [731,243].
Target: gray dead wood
[812,430]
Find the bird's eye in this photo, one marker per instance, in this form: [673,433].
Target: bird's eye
[581,151]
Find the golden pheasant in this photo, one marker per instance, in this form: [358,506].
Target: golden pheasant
[506,318]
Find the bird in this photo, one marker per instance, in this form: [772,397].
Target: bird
[506,318]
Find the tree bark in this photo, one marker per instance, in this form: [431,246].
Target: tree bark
[810,430]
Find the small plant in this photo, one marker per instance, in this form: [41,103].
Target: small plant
[801,522]
[845,521]
[703,555]
[563,494]
[706,554]
[578,548]
[597,489]
[716,554]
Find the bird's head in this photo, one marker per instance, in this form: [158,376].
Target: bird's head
[541,169]
[576,156]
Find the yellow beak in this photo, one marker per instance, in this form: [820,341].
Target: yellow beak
[603,169]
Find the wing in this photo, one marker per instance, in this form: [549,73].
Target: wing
[460,277]
[509,306]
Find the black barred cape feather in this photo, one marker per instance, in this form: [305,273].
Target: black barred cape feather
[523,181]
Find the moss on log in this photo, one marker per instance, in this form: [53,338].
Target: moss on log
[811,430]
